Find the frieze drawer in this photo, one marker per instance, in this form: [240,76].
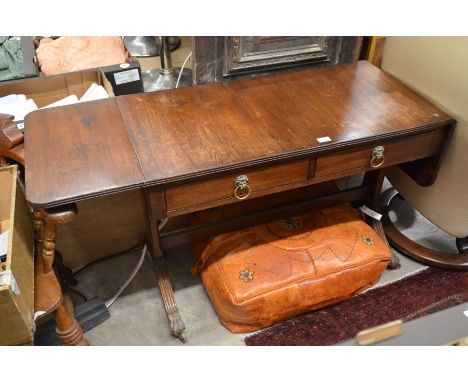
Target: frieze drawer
[235,187]
[386,153]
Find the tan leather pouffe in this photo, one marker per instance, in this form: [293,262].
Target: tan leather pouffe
[258,276]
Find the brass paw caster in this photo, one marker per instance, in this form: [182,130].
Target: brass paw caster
[183,337]
[394,263]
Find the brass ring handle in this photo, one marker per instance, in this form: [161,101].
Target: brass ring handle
[378,157]
[241,183]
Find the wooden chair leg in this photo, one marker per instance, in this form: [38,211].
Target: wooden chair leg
[47,293]
[38,224]
[452,261]
[64,273]
[68,329]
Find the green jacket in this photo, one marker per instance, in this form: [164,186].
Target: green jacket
[11,58]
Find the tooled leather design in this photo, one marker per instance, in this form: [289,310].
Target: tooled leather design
[290,224]
[293,257]
[340,257]
[325,261]
[288,265]
[294,224]
[302,236]
[308,230]
[279,256]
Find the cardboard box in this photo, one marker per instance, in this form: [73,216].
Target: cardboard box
[124,78]
[45,90]
[17,272]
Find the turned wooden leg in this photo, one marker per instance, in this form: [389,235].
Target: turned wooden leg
[374,181]
[64,273]
[48,245]
[38,224]
[68,329]
[155,212]
[65,279]
[47,293]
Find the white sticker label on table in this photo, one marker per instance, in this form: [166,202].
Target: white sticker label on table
[127,76]
[323,139]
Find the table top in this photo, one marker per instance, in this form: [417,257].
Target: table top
[164,138]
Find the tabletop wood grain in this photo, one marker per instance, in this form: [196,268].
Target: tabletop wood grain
[345,102]
[180,135]
[206,129]
[78,151]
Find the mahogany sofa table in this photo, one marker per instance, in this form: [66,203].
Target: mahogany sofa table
[208,146]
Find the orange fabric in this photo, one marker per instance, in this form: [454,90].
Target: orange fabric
[261,275]
[73,53]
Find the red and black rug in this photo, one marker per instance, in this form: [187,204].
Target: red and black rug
[420,294]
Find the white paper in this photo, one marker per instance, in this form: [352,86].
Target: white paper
[323,139]
[93,93]
[38,314]
[17,105]
[4,242]
[7,278]
[127,76]
[12,98]
[465,313]
[69,100]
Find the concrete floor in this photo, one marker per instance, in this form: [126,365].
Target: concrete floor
[138,317]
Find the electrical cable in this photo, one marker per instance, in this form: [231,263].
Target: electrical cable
[162,223]
[107,258]
[132,275]
[182,69]
[128,281]
[77,292]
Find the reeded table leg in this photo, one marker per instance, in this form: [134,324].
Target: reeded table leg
[176,325]
[374,181]
[155,212]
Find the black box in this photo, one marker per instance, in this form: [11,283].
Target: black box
[125,78]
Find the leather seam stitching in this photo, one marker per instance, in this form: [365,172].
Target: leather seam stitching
[240,301]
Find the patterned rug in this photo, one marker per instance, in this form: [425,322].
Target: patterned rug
[412,297]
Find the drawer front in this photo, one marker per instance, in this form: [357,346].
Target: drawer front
[395,151]
[259,180]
